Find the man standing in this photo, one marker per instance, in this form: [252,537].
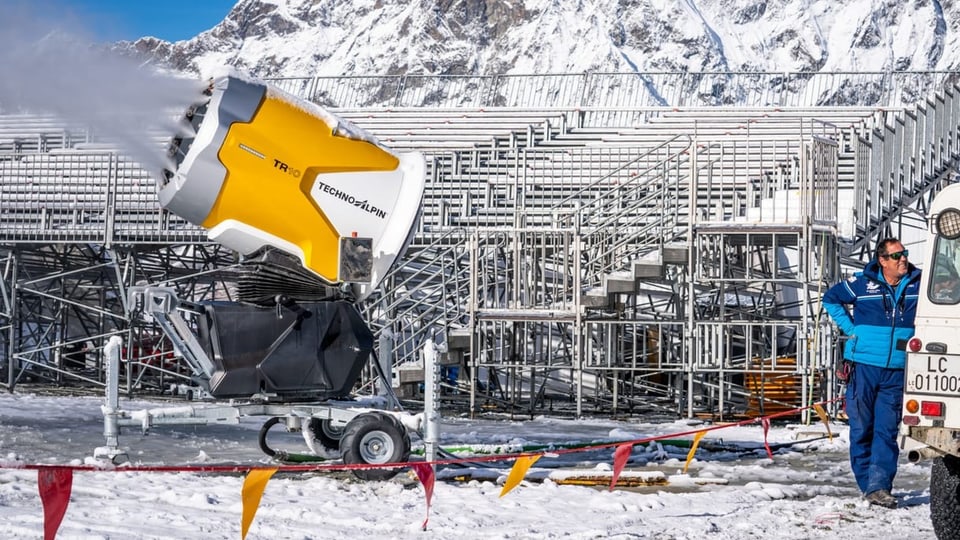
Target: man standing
[883,298]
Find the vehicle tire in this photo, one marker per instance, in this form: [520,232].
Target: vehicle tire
[374,438]
[326,433]
[945,497]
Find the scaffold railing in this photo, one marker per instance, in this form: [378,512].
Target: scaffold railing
[621,90]
[82,196]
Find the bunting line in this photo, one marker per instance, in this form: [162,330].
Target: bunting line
[55,482]
[450,461]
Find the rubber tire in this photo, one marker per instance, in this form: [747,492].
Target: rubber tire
[375,438]
[945,497]
[326,435]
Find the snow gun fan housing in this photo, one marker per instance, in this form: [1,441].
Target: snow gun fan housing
[261,169]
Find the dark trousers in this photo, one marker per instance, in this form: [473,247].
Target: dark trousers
[874,399]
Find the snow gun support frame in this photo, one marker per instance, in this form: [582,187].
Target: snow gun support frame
[361,431]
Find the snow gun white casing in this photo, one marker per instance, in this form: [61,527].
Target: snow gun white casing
[268,170]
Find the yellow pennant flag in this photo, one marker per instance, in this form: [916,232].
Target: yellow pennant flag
[693,449]
[824,418]
[253,486]
[519,470]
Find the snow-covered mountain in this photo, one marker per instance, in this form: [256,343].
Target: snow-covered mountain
[270,38]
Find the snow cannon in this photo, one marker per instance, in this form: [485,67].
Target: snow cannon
[260,169]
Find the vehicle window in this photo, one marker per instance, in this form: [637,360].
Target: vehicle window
[945,283]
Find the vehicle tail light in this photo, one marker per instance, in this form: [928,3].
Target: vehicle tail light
[913,406]
[911,420]
[914,344]
[931,408]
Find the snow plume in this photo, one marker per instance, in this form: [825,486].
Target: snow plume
[48,69]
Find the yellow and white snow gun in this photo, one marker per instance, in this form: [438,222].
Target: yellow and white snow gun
[264,169]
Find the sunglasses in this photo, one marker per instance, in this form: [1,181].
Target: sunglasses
[897,254]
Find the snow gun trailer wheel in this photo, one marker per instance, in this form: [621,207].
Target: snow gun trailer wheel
[326,433]
[375,438]
[944,497]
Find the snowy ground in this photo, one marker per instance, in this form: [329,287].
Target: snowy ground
[733,491]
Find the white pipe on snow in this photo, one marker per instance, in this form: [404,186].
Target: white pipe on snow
[111,408]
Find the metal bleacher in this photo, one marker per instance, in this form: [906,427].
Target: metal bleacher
[25,134]
[585,243]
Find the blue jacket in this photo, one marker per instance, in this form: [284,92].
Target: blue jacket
[882,320]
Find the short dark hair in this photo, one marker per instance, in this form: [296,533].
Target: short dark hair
[882,246]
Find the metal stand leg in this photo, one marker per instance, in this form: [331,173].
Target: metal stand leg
[431,412]
[111,409]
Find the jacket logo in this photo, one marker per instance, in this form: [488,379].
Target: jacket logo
[873,287]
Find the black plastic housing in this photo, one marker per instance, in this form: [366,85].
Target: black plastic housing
[297,351]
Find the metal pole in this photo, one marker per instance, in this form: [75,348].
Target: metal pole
[472,313]
[386,362]
[693,257]
[431,412]
[13,341]
[578,353]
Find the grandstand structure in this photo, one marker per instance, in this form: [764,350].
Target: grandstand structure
[592,243]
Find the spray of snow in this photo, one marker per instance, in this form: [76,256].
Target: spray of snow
[49,69]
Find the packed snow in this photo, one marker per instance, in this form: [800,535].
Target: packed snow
[732,489]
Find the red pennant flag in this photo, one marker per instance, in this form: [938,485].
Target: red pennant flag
[765,422]
[427,478]
[54,485]
[620,456]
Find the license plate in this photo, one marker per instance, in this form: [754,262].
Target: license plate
[933,374]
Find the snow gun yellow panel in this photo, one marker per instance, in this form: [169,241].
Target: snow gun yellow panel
[273,162]
[265,169]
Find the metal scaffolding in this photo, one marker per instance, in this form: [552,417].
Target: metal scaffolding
[612,258]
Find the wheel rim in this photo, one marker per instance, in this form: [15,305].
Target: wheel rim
[334,432]
[376,447]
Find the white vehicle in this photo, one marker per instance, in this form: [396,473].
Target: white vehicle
[931,401]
